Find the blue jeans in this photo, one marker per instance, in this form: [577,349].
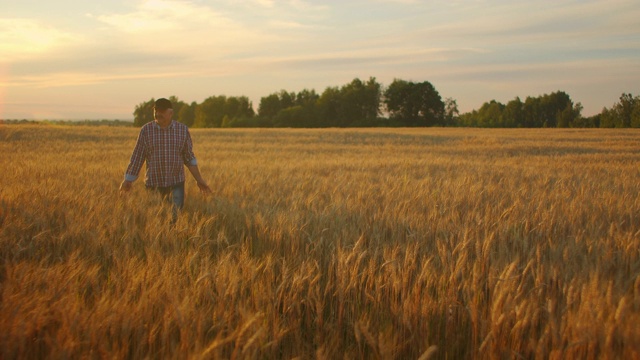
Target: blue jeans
[174,194]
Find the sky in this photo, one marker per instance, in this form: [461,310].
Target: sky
[74,60]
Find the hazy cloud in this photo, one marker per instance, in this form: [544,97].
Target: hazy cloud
[265,3]
[170,25]
[22,39]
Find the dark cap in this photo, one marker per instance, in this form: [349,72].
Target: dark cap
[162,104]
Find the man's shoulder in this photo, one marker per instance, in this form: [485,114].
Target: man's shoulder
[179,125]
[148,126]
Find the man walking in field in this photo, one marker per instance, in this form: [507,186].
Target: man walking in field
[165,145]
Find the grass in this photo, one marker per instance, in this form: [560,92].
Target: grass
[369,243]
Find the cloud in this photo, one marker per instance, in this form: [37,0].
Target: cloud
[403,2]
[64,79]
[265,3]
[153,16]
[170,26]
[380,57]
[155,39]
[542,22]
[22,39]
[307,6]
[288,25]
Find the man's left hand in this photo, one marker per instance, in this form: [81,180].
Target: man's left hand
[204,187]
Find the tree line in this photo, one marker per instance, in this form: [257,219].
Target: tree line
[553,110]
[401,104]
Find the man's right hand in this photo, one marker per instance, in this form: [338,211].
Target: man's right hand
[125,186]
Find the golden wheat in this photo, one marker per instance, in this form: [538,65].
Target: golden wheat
[369,243]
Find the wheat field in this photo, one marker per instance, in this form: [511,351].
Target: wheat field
[333,243]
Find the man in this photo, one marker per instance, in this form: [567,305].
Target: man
[165,145]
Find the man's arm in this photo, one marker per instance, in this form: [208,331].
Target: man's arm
[193,169]
[135,164]
[125,186]
[192,164]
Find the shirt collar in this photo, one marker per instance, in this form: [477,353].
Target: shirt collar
[167,128]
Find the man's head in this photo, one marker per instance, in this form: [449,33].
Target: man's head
[163,111]
[162,104]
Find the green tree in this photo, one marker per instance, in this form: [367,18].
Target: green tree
[569,116]
[625,113]
[237,107]
[143,112]
[532,117]
[226,122]
[177,106]
[293,116]
[288,109]
[513,114]
[414,104]
[359,102]
[635,114]
[451,112]
[269,106]
[212,111]
[490,114]
[187,114]
[549,110]
[308,101]
[587,122]
[306,98]
[468,119]
[327,106]
[624,109]
[608,118]
[577,119]
[287,99]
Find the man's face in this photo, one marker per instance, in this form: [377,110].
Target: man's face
[163,116]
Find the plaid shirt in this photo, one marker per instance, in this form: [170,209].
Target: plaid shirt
[165,151]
